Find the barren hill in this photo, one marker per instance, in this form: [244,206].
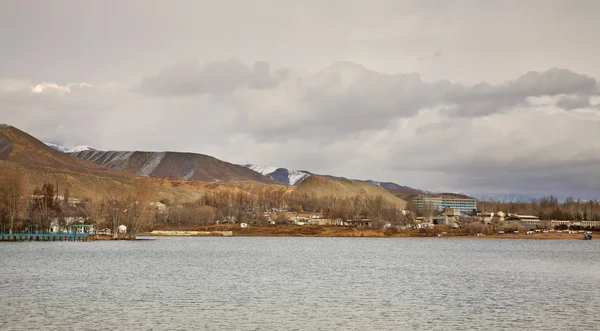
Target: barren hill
[175,176]
[38,163]
[345,188]
[19,147]
[187,166]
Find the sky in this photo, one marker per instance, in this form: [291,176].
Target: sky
[481,97]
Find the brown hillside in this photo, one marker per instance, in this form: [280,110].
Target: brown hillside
[345,188]
[39,163]
[19,147]
[82,185]
[188,166]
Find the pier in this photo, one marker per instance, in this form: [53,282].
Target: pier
[46,237]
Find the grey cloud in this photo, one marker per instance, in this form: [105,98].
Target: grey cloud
[484,99]
[296,110]
[188,78]
[570,179]
[346,118]
[574,102]
[346,98]
[531,150]
[261,76]
[552,82]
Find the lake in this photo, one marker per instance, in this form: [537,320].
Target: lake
[250,283]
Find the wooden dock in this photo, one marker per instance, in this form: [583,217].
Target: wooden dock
[46,237]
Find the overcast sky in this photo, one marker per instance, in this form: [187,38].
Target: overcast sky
[482,97]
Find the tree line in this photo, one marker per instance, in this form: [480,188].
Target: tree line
[130,205]
[42,209]
[548,208]
[243,207]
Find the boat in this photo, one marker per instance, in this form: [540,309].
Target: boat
[587,236]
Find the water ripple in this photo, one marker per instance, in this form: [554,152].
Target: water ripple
[300,284]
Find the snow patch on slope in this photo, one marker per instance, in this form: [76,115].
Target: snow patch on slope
[81,148]
[57,147]
[281,175]
[261,169]
[117,160]
[297,176]
[114,160]
[189,174]
[75,149]
[152,163]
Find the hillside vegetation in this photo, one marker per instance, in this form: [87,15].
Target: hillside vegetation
[343,188]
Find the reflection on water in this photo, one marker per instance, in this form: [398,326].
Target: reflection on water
[300,283]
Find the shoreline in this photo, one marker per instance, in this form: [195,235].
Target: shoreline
[345,232]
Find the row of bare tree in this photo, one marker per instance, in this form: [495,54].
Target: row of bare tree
[11,186]
[128,205]
[548,208]
[241,207]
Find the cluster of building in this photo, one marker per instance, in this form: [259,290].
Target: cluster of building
[453,210]
[454,217]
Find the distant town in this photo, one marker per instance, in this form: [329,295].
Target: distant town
[47,212]
[122,195]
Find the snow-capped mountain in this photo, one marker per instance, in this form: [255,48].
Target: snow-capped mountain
[294,177]
[75,149]
[59,148]
[187,166]
[280,175]
[81,148]
[514,198]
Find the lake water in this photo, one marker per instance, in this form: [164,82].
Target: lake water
[242,283]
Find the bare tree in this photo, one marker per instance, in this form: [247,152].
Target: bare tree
[11,187]
[138,216]
[44,206]
[95,209]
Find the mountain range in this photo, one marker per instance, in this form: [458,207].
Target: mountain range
[187,166]
[195,167]
[88,172]
[281,175]
[199,167]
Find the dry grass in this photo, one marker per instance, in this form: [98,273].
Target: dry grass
[344,188]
